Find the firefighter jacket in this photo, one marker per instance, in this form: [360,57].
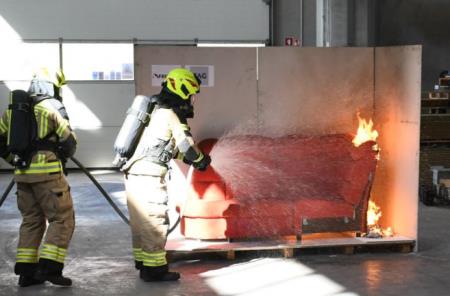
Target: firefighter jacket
[45,164]
[166,137]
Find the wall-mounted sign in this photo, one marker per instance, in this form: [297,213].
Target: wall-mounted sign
[159,72]
[204,72]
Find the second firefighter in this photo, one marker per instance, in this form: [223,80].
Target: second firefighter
[167,136]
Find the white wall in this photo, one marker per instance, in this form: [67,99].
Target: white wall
[96,112]
[141,19]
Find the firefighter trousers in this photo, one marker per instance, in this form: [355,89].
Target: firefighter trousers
[147,205]
[38,203]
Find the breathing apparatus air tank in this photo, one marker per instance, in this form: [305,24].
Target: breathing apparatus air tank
[138,117]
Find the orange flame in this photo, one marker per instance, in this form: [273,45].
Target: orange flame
[373,215]
[365,132]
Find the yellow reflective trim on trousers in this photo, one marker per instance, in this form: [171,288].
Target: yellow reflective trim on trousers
[137,253]
[154,262]
[41,168]
[154,254]
[154,258]
[54,248]
[27,255]
[53,252]
[27,260]
[50,253]
[57,252]
[27,250]
[53,258]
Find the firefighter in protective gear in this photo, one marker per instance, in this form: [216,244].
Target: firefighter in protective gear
[42,191]
[167,136]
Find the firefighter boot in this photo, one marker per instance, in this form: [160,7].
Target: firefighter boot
[26,272]
[49,270]
[158,274]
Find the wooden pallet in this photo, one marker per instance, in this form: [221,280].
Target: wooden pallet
[287,247]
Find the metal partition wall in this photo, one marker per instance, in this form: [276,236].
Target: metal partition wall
[162,21]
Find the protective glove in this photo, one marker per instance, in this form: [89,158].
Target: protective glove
[203,163]
[187,161]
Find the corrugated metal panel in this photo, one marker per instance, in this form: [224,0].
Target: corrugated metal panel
[141,19]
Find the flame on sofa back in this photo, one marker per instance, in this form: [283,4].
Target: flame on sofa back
[365,132]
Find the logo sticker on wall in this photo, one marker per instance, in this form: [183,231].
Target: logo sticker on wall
[159,72]
[204,72]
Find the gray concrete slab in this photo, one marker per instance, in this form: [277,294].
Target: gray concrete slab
[100,260]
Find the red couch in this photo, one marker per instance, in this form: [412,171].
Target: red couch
[271,187]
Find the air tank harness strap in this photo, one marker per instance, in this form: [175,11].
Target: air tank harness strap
[142,116]
[161,153]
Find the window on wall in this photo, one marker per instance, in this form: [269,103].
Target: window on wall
[99,61]
[18,61]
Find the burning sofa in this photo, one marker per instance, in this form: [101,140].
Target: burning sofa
[259,187]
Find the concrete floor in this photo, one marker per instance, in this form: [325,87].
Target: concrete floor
[100,261]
